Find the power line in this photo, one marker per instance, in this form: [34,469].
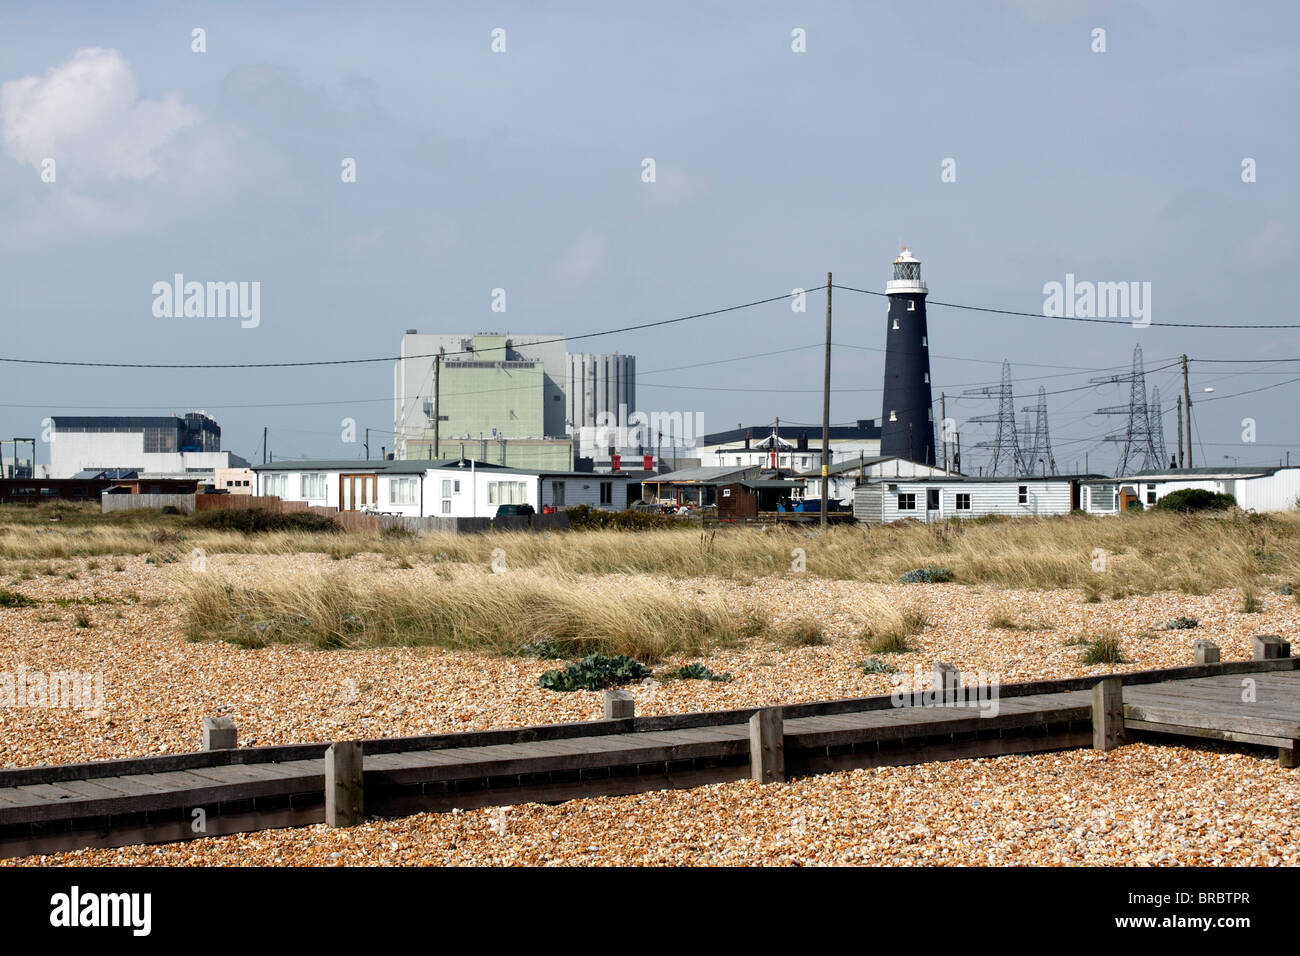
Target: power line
[397,358]
[1073,318]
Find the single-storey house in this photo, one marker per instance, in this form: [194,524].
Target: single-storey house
[451,488]
[936,498]
[1256,488]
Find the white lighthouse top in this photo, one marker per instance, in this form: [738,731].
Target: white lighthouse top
[907,275]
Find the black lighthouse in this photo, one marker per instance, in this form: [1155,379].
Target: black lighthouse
[907,414]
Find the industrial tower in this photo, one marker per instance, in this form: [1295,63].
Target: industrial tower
[1143,438]
[907,412]
[1006,459]
[1042,448]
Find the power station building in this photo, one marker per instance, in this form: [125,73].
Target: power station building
[907,412]
[154,445]
[513,400]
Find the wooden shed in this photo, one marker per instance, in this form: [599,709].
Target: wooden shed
[749,498]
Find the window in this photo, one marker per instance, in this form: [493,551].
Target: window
[907,502]
[607,492]
[313,487]
[557,494]
[446,506]
[963,501]
[1151,494]
[277,485]
[1022,494]
[507,493]
[403,491]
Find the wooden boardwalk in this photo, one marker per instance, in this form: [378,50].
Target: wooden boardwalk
[160,799]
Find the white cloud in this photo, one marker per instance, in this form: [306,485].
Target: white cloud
[88,116]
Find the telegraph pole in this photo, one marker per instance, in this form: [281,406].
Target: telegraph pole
[437,387]
[1187,401]
[943,426]
[1180,431]
[367,444]
[264,444]
[826,408]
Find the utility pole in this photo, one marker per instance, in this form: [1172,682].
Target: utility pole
[1180,431]
[437,387]
[1187,401]
[264,444]
[943,426]
[367,444]
[826,408]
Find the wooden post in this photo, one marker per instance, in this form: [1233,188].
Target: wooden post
[1207,652]
[344,797]
[619,704]
[767,746]
[1288,758]
[1270,647]
[1107,714]
[947,682]
[220,733]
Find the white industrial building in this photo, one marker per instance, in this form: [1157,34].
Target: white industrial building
[449,489]
[797,447]
[937,498]
[188,446]
[845,477]
[1259,488]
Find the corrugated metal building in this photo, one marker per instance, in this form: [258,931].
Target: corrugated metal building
[939,498]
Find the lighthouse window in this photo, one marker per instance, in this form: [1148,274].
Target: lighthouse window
[927,377]
[911,305]
[925,341]
[893,415]
[895,323]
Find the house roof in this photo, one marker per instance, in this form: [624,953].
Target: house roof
[706,476]
[1176,474]
[768,484]
[390,466]
[976,480]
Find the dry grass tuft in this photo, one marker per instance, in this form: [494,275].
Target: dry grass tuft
[889,627]
[473,610]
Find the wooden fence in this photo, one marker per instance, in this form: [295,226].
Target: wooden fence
[355,522]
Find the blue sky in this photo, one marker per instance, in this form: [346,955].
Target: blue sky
[522,170]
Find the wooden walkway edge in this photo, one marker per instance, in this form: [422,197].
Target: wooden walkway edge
[185,796]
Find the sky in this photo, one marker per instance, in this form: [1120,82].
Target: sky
[523,170]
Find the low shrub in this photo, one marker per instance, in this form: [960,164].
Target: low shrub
[10,598]
[1195,499]
[875,665]
[1181,623]
[1251,602]
[594,672]
[586,518]
[695,671]
[260,521]
[929,574]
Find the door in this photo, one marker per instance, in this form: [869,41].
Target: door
[355,491]
[931,503]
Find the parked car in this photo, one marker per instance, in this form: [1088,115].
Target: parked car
[508,511]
